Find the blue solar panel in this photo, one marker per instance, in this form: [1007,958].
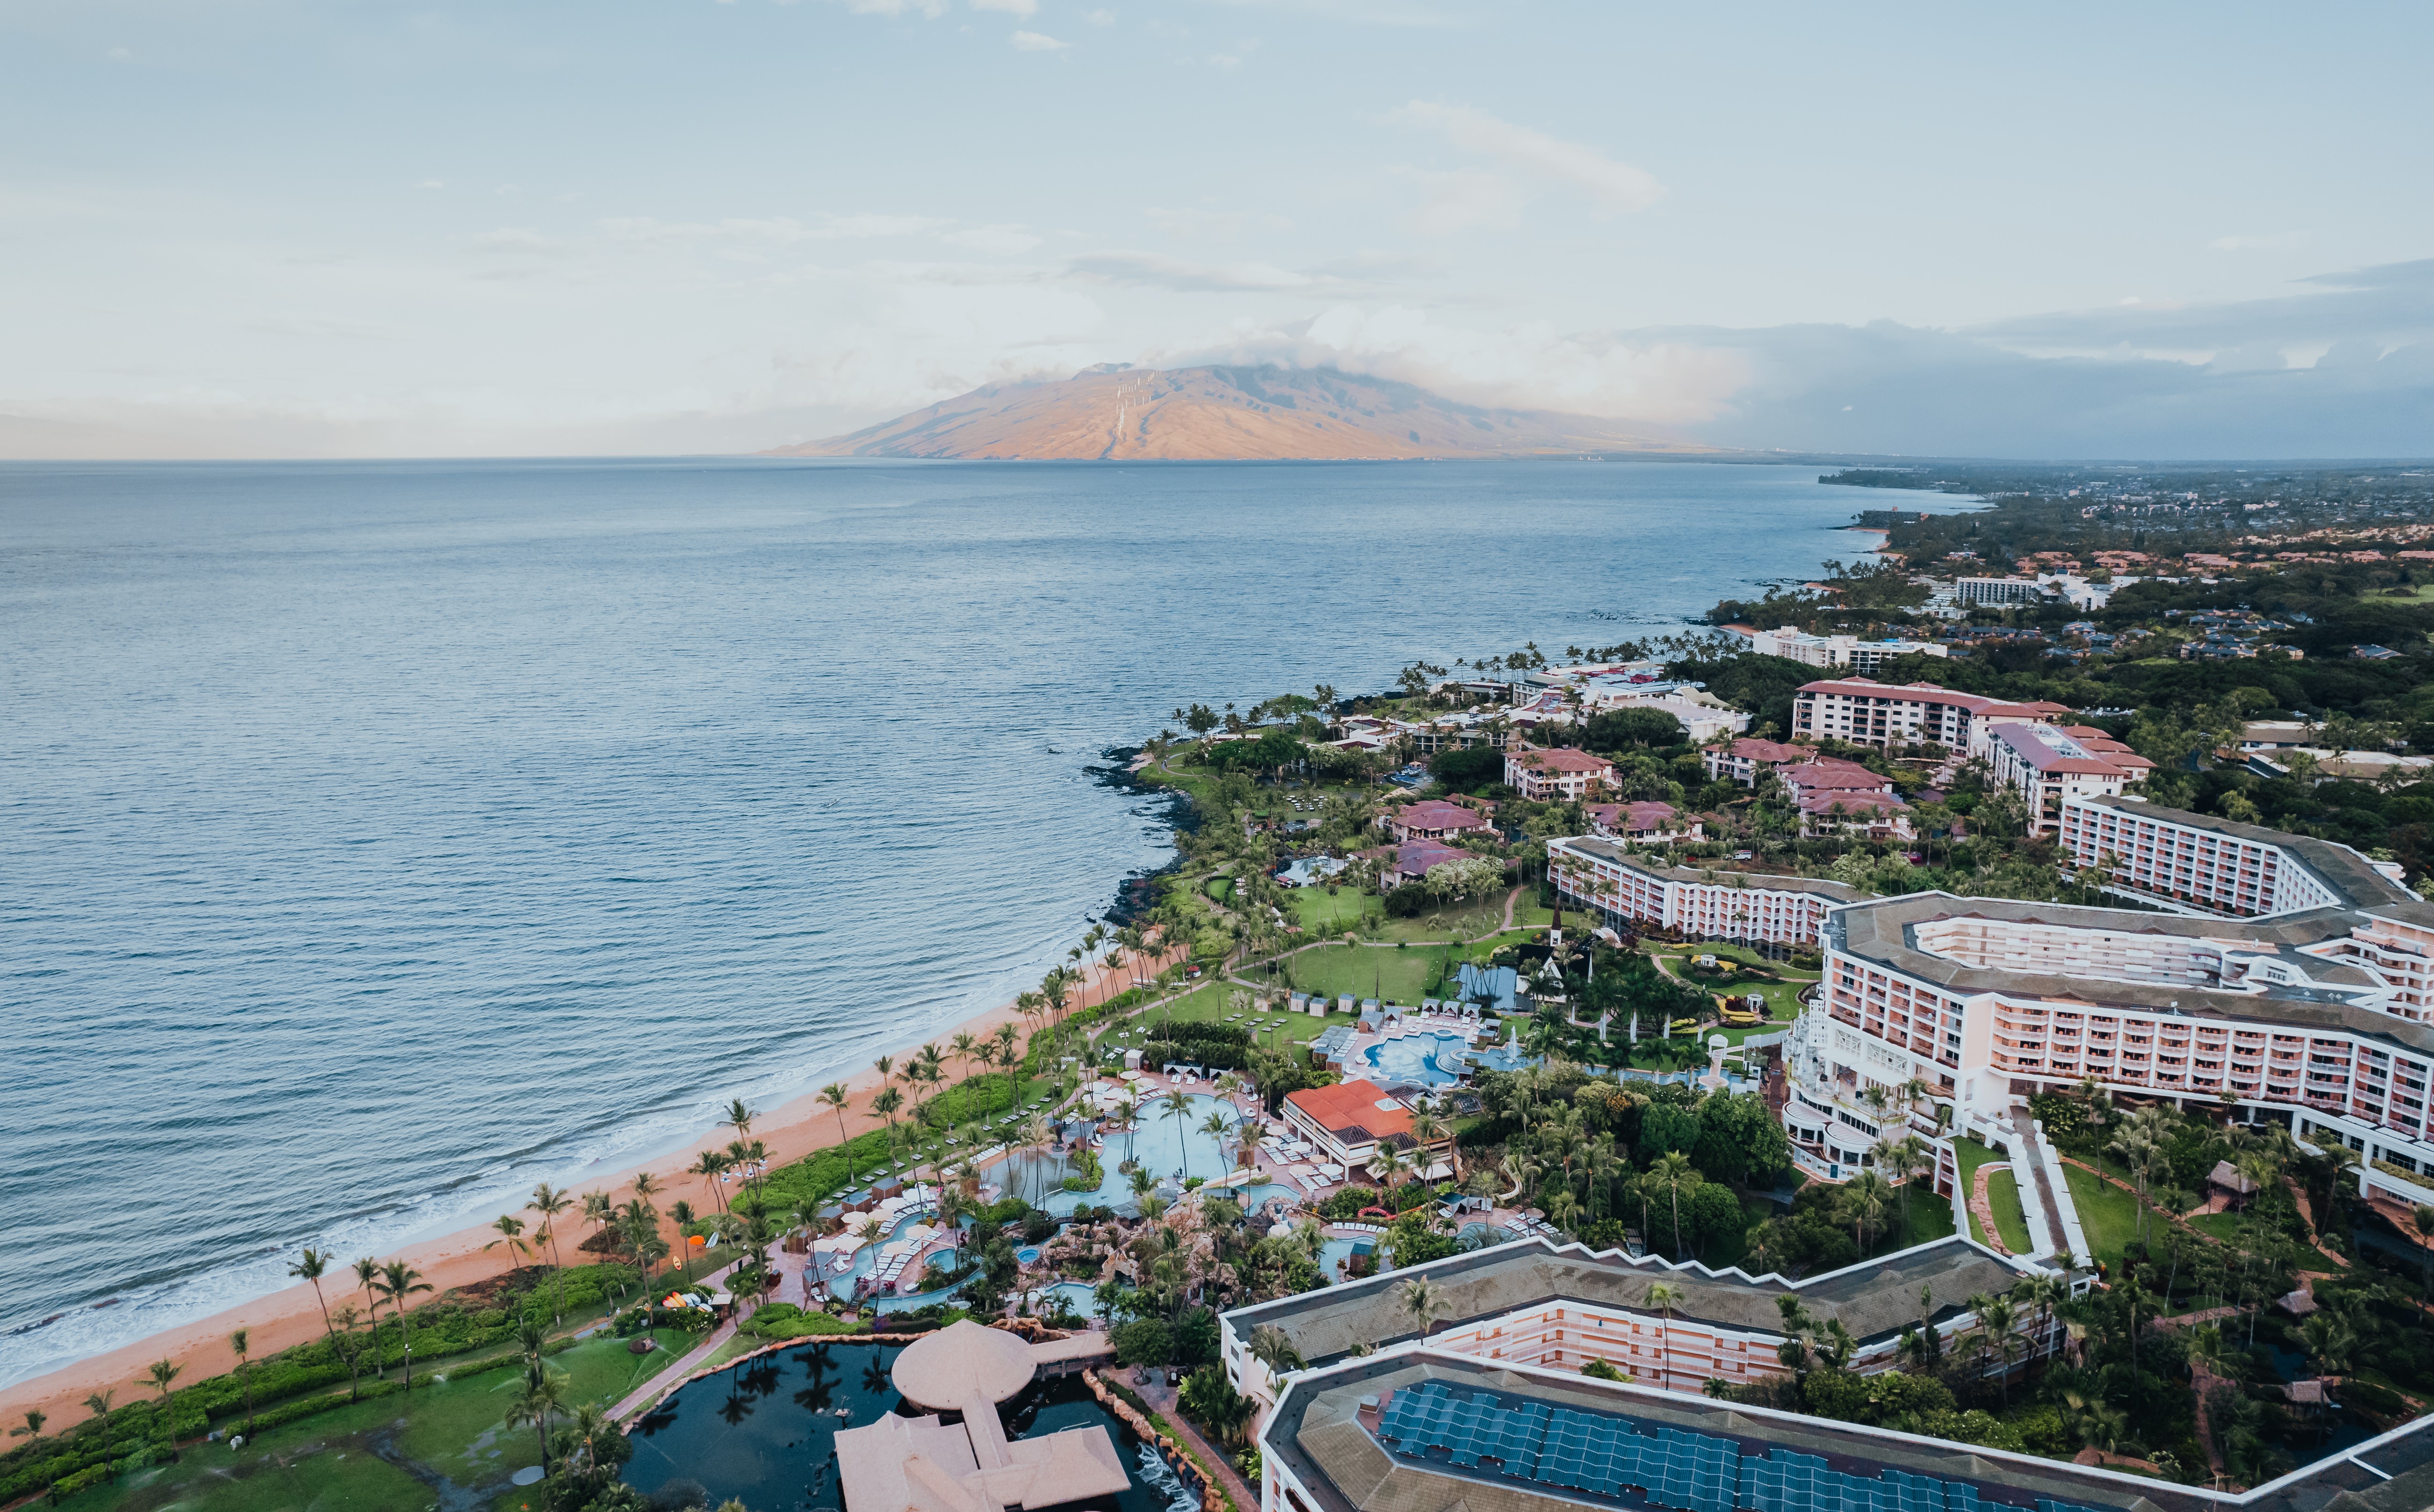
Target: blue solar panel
[1608,1455]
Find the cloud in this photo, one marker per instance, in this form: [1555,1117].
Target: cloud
[1463,199]
[1101,18]
[1003,241]
[933,9]
[1206,225]
[1613,186]
[1532,367]
[1023,8]
[1153,270]
[2392,304]
[770,230]
[1033,41]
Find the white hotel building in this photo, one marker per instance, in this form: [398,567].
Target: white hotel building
[1633,894]
[1866,712]
[2314,1015]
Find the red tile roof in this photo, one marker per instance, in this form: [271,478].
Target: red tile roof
[1438,814]
[1559,759]
[1350,1111]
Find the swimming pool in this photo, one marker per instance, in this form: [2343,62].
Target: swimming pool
[1166,1147]
[1418,1060]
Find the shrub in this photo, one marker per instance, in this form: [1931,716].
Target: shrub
[1144,1341]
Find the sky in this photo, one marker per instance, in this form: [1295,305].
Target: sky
[269,228]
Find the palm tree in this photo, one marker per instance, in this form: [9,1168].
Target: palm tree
[1217,1127]
[1999,1316]
[1128,1115]
[886,1105]
[549,1204]
[368,1275]
[511,1234]
[33,1429]
[400,1281]
[1385,1166]
[315,1264]
[242,1342]
[1425,1302]
[1271,1349]
[544,1393]
[161,1372]
[1864,1201]
[1672,1172]
[1664,1296]
[1178,1107]
[98,1403]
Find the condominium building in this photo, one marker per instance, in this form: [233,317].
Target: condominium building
[2317,1018]
[1866,712]
[1434,820]
[1740,760]
[1631,894]
[1534,1302]
[2212,865]
[1552,774]
[1997,592]
[1839,650]
[2051,764]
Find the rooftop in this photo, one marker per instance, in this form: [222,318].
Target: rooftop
[1354,1109]
[1436,814]
[1605,850]
[1716,1454]
[1559,759]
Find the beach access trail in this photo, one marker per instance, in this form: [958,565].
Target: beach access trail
[286,1319]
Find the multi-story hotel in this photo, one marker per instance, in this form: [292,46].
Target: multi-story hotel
[1543,775]
[1874,713]
[2315,1016]
[1603,878]
[2210,866]
[2049,764]
[1534,1302]
[1840,650]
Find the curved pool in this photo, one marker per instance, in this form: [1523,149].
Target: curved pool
[1418,1060]
[1168,1148]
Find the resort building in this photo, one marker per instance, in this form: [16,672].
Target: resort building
[1434,820]
[2317,1018]
[1998,593]
[2221,868]
[1839,650]
[1417,1429]
[1628,893]
[2050,766]
[1740,760]
[1874,816]
[1554,774]
[1410,861]
[1874,713]
[1348,1120]
[1650,822]
[1534,1302]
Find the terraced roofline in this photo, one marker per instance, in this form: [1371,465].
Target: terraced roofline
[1884,933]
[1875,1298]
[1335,1463]
[1605,850]
[2346,874]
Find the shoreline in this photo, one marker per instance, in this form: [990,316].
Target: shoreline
[279,1320]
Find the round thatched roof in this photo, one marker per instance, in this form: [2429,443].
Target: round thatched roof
[941,1372]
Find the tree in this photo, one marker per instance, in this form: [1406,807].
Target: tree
[1673,1175]
[33,1429]
[543,1396]
[368,1275]
[312,1267]
[1424,1301]
[549,1202]
[1863,1202]
[1664,1296]
[1273,1349]
[511,1234]
[241,1343]
[1178,1107]
[162,1372]
[886,1105]
[399,1281]
[99,1402]
[1385,1167]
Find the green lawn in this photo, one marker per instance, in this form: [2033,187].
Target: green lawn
[1219,888]
[1320,911]
[2108,1214]
[1972,1155]
[1369,971]
[1931,1216]
[2223,1226]
[2003,1196]
[454,1430]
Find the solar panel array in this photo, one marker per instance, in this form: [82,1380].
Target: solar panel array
[1610,1456]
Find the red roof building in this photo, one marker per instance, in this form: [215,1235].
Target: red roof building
[1554,774]
[1866,712]
[1348,1120]
[1435,820]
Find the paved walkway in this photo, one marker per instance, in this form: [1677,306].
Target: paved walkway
[1982,1206]
[657,1386]
[1162,1398]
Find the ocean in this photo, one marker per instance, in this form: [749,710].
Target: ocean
[382,839]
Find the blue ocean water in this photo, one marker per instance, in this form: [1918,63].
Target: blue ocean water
[384,837]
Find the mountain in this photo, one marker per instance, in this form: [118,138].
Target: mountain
[1115,412]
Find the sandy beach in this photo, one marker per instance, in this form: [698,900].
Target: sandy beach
[286,1318]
